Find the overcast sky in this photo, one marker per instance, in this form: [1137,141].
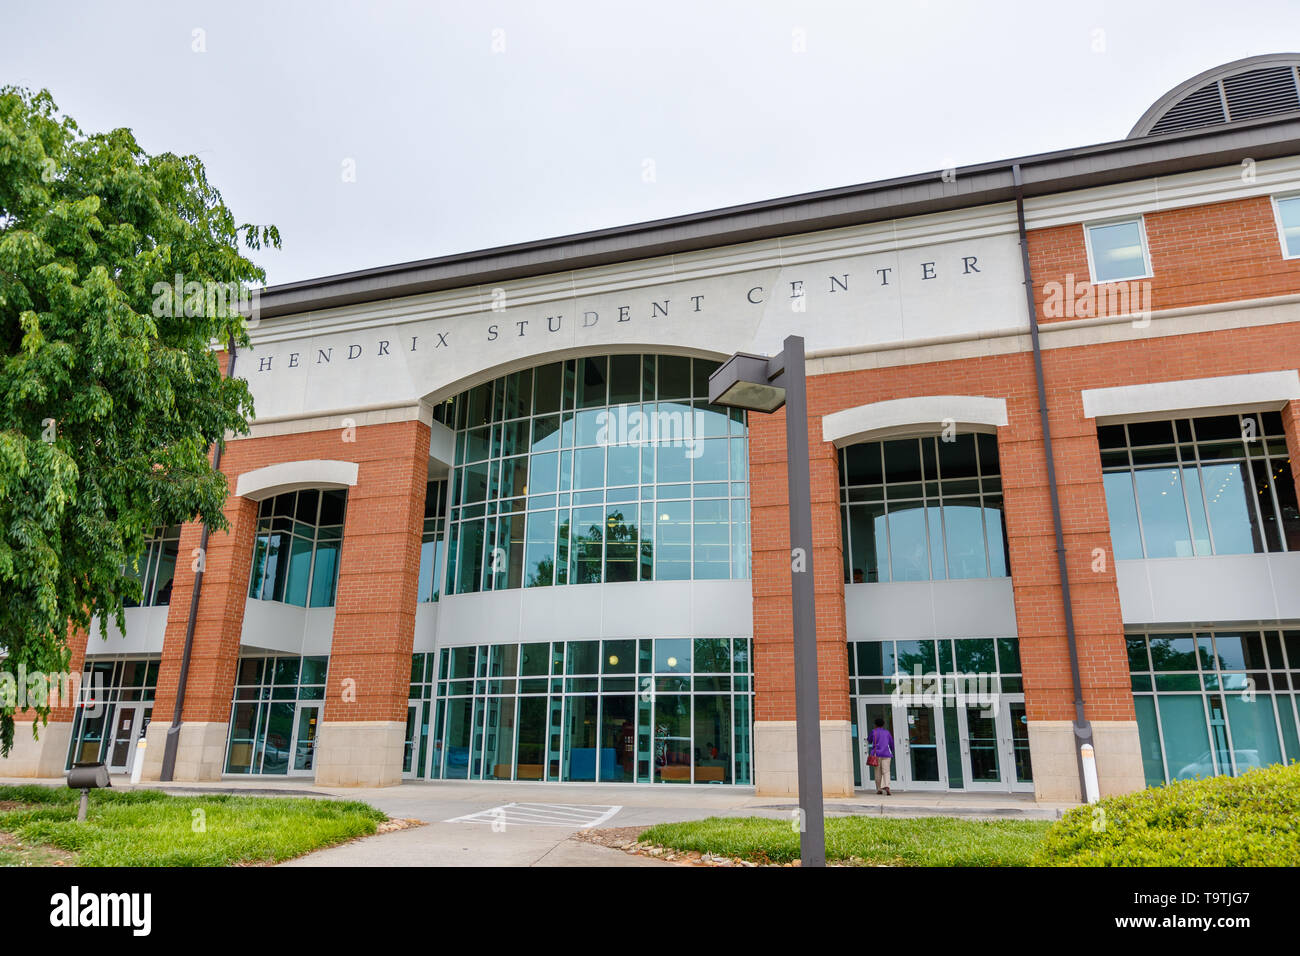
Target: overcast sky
[374,133]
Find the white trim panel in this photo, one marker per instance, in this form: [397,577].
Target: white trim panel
[145,629]
[913,416]
[925,610]
[292,475]
[577,612]
[286,628]
[1230,588]
[1223,394]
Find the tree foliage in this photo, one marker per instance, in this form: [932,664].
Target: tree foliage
[111,394]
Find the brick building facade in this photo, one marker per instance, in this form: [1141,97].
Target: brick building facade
[450,558]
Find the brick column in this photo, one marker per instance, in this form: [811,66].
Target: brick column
[775,756]
[1291,422]
[215,650]
[363,727]
[1040,617]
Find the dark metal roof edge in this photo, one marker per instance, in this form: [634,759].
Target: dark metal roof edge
[918,194]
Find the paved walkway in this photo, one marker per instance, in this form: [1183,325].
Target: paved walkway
[520,824]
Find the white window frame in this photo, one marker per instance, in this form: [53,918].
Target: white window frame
[1142,237]
[1277,217]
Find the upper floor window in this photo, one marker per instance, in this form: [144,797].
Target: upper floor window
[920,509]
[1199,486]
[1288,224]
[433,544]
[593,470]
[296,555]
[155,568]
[1117,250]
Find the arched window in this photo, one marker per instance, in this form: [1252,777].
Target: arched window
[595,470]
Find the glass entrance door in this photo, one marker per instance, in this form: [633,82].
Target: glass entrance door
[962,746]
[129,721]
[983,744]
[919,744]
[409,766]
[304,747]
[1022,777]
[868,712]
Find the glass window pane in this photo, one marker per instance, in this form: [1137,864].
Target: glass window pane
[1173,652]
[325,573]
[1164,513]
[1153,764]
[964,530]
[867,543]
[1187,741]
[673,655]
[1231,512]
[712,738]
[902,460]
[907,544]
[712,539]
[1288,211]
[1121,507]
[300,559]
[1254,731]
[672,738]
[1117,251]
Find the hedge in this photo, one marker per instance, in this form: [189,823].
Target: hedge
[1251,820]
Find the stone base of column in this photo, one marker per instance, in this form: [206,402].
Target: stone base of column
[200,751]
[776,765]
[1053,748]
[43,757]
[362,753]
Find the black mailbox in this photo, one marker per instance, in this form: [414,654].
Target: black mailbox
[88,776]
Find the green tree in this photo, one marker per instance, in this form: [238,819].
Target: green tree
[111,393]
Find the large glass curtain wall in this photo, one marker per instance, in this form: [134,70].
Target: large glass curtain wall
[668,710]
[920,509]
[596,470]
[107,686]
[155,568]
[296,553]
[1199,486]
[275,714]
[1217,702]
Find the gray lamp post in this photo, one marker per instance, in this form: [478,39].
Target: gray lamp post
[757,383]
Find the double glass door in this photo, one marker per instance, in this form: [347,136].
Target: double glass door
[950,745]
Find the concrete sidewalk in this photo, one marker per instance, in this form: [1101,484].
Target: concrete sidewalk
[525,824]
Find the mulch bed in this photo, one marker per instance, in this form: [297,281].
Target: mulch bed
[628,839]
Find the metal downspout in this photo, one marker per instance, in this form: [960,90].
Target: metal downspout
[1082,728]
[174,731]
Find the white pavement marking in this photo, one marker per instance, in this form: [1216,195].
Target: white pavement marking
[542,815]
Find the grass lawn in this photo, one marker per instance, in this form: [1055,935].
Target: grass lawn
[927,841]
[38,826]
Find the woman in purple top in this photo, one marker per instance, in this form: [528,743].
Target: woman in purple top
[882,748]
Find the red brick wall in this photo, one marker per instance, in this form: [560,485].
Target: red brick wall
[1221,252]
[773,624]
[374,623]
[375,603]
[1030,532]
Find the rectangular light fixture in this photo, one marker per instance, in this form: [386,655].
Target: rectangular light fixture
[742,382]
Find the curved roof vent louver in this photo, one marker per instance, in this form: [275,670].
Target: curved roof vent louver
[1244,89]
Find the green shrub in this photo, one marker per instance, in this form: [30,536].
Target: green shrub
[1249,820]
